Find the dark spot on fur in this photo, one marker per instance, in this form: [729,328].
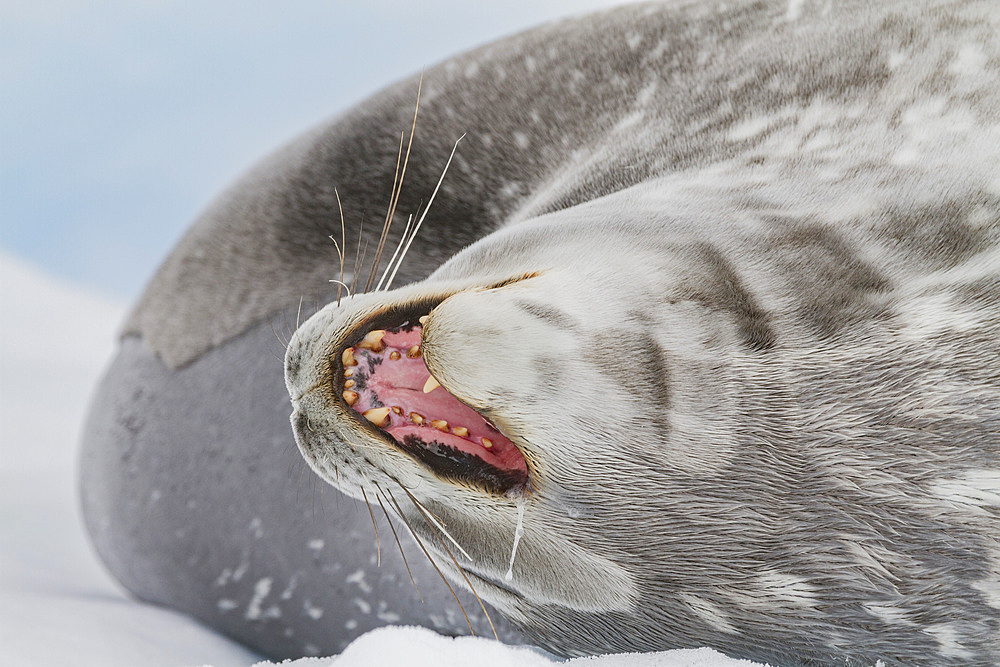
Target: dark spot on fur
[548,313]
[943,234]
[722,289]
[550,373]
[982,293]
[634,361]
[833,287]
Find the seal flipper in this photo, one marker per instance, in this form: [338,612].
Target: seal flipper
[196,498]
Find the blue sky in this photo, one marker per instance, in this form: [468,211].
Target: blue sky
[120,121]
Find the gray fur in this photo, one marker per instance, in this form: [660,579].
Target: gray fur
[770,235]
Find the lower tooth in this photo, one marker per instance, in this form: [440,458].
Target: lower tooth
[377,416]
[350,397]
[398,410]
[440,424]
[416,418]
[487,443]
[460,431]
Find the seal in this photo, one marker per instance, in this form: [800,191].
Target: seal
[698,345]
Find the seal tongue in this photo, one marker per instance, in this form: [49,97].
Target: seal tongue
[394,390]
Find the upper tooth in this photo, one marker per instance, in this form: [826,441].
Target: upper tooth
[350,397]
[460,430]
[348,384]
[377,416]
[431,384]
[440,424]
[394,355]
[373,340]
[423,319]
[347,358]
[413,352]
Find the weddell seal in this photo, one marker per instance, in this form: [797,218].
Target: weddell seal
[698,345]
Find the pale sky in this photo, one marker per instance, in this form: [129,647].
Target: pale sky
[121,119]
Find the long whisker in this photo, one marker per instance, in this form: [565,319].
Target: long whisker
[342,245]
[392,260]
[284,343]
[423,510]
[421,220]
[357,253]
[354,283]
[396,185]
[399,511]
[378,545]
[342,284]
[298,316]
[455,561]
[398,544]
[395,201]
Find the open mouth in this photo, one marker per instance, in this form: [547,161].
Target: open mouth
[384,379]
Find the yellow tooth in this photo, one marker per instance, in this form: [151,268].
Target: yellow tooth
[416,418]
[394,355]
[460,430]
[487,443]
[423,319]
[398,410]
[348,384]
[348,372]
[377,416]
[347,358]
[373,340]
[350,397]
[440,424]
[431,384]
[413,352]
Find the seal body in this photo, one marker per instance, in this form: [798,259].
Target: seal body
[725,278]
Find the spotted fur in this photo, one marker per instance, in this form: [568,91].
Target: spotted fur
[757,377]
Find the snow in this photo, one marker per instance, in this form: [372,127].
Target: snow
[420,647]
[57,604]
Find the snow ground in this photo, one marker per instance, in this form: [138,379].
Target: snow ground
[57,604]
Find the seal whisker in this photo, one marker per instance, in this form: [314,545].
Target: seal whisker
[284,343]
[341,283]
[392,260]
[394,199]
[378,545]
[399,512]
[357,253]
[298,315]
[396,187]
[426,210]
[460,569]
[437,524]
[342,247]
[378,497]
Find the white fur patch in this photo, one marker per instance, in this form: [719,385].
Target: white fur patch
[788,588]
[709,612]
[976,487]
[946,636]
